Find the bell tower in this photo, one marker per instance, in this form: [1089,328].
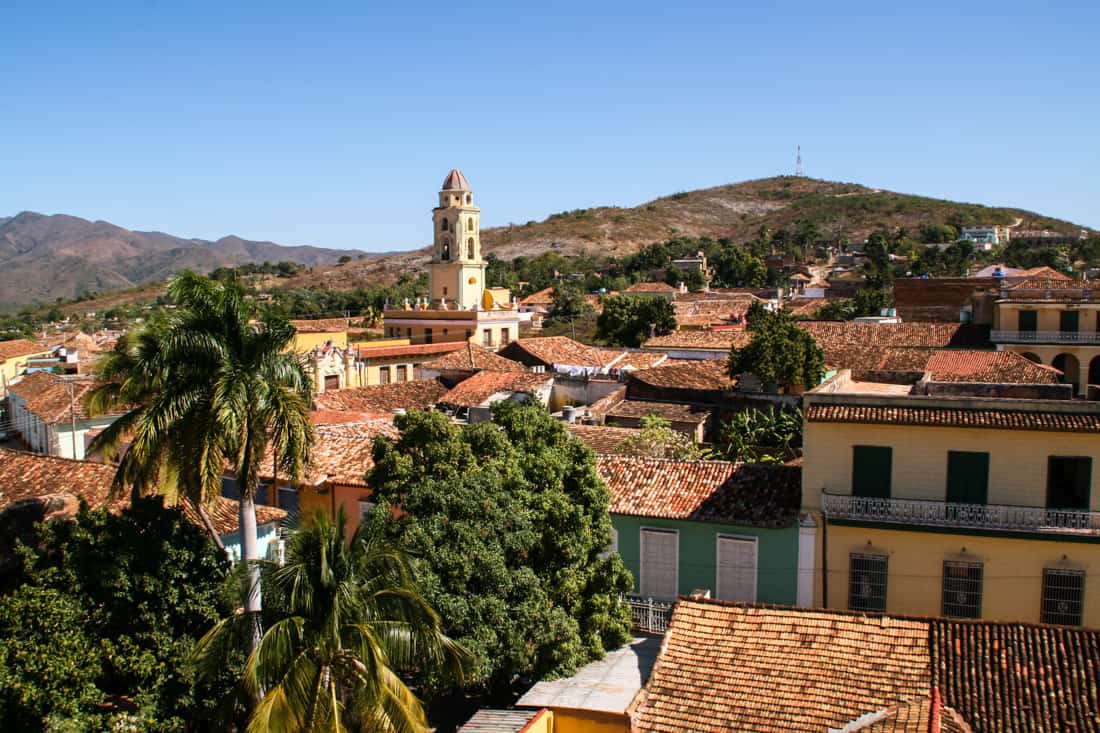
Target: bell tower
[457,271]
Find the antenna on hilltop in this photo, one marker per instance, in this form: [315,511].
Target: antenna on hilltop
[798,163]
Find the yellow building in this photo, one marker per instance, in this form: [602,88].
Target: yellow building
[1054,322]
[13,361]
[954,499]
[459,307]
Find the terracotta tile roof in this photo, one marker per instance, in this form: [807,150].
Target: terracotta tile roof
[541,297]
[1044,272]
[477,390]
[46,396]
[1049,289]
[713,310]
[602,438]
[60,483]
[413,395]
[608,401]
[704,374]
[321,325]
[341,417]
[341,453]
[473,358]
[558,350]
[674,411]
[1004,367]
[744,668]
[926,714]
[650,288]
[636,360]
[366,352]
[940,335]
[455,181]
[20,347]
[705,340]
[713,491]
[1017,678]
[1062,422]
[500,721]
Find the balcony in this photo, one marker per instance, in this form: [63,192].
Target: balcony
[970,516]
[1045,337]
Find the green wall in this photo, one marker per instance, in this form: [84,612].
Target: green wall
[777,554]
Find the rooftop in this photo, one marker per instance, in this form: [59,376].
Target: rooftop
[473,358]
[954,416]
[650,288]
[608,685]
[365,351]
[60,483]
[20,347]
[700,340]
[602,438]
[46,396]
[674,411]
[762,495]
[748,668]
[499,721]
[559,351]
[341,453]
[413,395]
[704,374]
[478,389]
[540,297]
[455,181]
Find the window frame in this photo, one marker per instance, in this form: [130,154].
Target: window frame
[755,542]
[1084,505]
[642,531]
[402,373]
[384,375]
[869,557]
[1059,617]
[965,608]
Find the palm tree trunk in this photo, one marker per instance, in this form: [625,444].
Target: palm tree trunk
[209,525]
[250,554]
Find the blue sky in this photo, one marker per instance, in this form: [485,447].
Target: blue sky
[334,123]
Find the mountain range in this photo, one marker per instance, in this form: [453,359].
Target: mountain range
[43,258]
[46,257]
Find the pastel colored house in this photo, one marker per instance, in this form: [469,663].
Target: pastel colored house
[727,528]
[472,398]
[955,498]
[47,411]
[14,356]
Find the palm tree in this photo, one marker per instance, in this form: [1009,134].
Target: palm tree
[354,619]
[206,389]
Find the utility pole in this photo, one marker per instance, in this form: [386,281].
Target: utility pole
[72,417]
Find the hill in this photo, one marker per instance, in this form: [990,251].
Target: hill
[839,210]
[43,258]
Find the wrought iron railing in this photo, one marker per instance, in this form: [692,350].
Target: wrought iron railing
[1046,337]
[649,615]
[948,514]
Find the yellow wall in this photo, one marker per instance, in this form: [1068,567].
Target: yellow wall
[541,723]
[15,367]
[304,342]
[1017,460]
[457,332]
[1013,570]
[1006,315]
[584,721]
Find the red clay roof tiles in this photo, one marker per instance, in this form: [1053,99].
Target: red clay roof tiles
[19,347]
[413,395]
[950,417]
[476,390]
[473,358]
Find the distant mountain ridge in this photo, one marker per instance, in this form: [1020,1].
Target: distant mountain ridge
[45,257]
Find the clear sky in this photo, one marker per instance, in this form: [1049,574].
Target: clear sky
[334,123]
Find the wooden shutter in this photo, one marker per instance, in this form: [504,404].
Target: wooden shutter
[660,563]
[1069,321]
[1029,320]
[736,576]
[967,477]
[871,470]
[332,381]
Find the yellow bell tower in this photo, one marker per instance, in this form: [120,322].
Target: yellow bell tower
[457,271]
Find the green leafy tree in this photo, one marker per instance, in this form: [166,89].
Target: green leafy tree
[110,606]
[568,302]
[509,521]
[628,320]
[351,618]
[780,353]
[657,439]
[877,269]
[209,387]
[694,278]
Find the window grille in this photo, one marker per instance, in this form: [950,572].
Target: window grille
[962,589]
[867,582]
[1063,596]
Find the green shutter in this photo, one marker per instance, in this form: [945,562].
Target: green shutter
[1029,320]
[967,477]
[1069,321]
[872,467]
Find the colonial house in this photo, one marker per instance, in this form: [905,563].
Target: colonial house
[730,529]
[454,366]
[418,394]
[472,398]
[47,410]
[13,361]
[941,495]
[52,488]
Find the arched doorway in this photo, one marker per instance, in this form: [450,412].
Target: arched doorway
[1031,357]
[1094,370]
[1070,368]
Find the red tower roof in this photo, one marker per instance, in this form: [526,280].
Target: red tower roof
[455,181]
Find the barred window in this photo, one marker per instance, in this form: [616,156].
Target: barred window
[1063,596]
[962,589]
[867,582]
